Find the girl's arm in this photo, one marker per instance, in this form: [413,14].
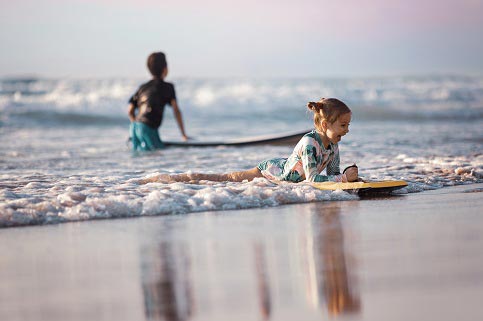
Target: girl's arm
[333,168]
[351,174]
[309,162]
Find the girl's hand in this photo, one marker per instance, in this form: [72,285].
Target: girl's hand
[352,174]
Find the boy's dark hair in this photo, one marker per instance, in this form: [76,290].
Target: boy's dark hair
[156,63]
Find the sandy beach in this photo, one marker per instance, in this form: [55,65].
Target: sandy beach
[409,257]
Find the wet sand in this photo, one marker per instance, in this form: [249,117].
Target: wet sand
[409,257]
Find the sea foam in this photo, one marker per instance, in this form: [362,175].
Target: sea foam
[157,199]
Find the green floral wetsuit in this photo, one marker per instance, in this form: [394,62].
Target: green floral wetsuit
[307,160]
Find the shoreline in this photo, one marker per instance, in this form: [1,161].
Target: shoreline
[408,191]
[368,258]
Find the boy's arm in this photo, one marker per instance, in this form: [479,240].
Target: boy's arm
[179,117]
[131,112]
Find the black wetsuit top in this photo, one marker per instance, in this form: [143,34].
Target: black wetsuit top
[151,98]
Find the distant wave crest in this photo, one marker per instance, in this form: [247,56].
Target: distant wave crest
[104,102]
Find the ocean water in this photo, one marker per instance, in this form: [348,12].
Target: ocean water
[64,153]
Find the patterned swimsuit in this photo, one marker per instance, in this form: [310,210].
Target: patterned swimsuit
[307,160]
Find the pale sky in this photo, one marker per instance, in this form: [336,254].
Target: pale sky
[246,38]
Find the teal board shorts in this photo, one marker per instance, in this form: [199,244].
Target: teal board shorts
[144,138]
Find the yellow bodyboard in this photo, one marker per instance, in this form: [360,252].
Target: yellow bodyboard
[364,186]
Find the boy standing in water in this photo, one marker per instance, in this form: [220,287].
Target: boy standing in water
[149,101]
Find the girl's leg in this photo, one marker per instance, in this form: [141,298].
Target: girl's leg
[244,175]
[229,177]
[195,177]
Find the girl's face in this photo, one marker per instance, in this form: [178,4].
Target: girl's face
[339,128]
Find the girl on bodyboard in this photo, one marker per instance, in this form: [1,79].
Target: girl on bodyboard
[316,151]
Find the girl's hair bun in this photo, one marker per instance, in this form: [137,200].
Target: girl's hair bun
[314,106]
[311,105]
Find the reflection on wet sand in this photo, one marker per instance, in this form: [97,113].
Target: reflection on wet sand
[166,284]
[263,286]
[262,276]
[329,282]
